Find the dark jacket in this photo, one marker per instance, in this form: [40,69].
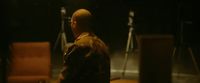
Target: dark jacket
[87,61]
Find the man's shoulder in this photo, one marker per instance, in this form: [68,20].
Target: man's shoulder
[85,41]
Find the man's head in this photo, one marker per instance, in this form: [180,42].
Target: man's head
[81,21]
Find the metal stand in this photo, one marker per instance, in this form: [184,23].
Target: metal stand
[61,35]
[130,42]
[181,49]
[182,46]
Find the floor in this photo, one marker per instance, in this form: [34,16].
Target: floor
[182,72]
[124,81]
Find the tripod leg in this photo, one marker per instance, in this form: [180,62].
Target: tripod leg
[174,51]
[63,42]
[131,43]
[173,56]
[194,61]
[57,40]
[127,52]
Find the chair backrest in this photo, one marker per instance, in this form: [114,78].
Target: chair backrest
[30,59]
[155,58]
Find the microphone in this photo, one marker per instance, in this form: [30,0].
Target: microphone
[131,15]
[63,15]
[63,12]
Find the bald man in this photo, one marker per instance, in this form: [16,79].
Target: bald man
[87,60]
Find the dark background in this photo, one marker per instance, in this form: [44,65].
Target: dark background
[40,20]
[36,20]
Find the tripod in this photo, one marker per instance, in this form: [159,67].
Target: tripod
[180,49]
[61,35]
[130,42]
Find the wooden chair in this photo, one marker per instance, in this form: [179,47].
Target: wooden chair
[30,62]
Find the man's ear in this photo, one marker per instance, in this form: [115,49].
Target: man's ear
[75,22]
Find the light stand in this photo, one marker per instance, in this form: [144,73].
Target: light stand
[130,41]
[180,49]
[61,35]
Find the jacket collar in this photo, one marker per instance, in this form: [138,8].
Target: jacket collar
[82,35]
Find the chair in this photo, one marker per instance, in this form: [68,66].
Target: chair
[30,62]
[155,58]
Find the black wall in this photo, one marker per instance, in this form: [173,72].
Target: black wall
[33,20]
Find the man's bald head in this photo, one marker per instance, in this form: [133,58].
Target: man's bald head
[81,21]
[82,17]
